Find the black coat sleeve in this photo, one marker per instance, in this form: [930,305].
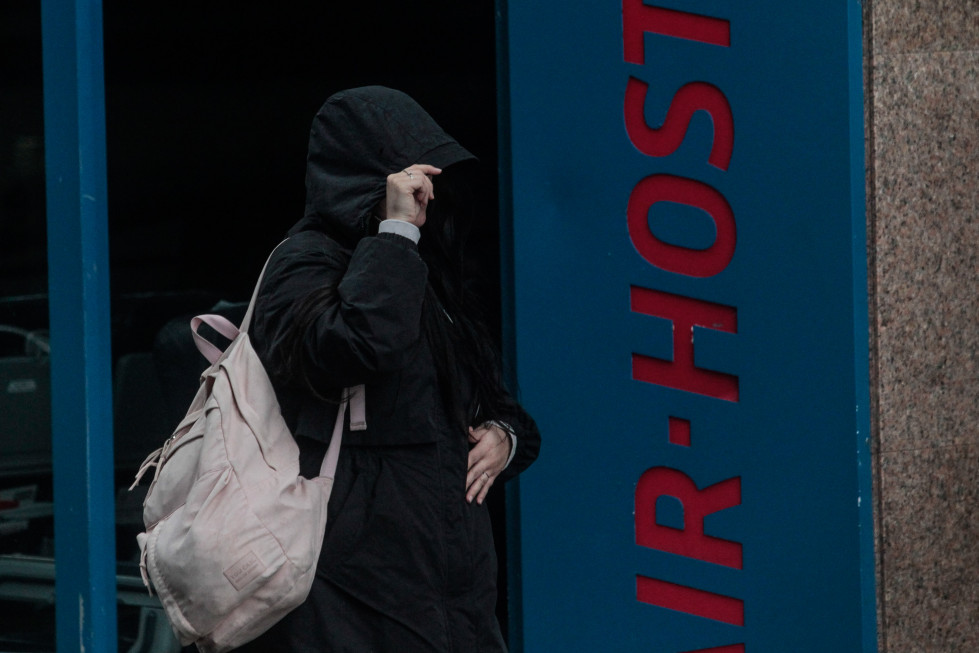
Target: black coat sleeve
[368,315]
[528,440]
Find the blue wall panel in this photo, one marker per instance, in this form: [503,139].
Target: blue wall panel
[757,233]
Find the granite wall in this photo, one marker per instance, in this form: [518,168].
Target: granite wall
[922,82]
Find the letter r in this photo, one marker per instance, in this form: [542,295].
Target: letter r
[697,504]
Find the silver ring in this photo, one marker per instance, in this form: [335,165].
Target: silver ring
[410,176]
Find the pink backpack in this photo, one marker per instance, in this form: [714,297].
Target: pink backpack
[233,532]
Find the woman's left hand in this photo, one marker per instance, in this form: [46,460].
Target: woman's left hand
[486,459]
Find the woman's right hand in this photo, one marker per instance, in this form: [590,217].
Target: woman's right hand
[408,193]
[487,458]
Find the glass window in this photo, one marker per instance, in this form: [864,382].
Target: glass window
[208,113]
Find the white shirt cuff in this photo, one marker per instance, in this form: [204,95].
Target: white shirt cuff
[513,449]
[400,227]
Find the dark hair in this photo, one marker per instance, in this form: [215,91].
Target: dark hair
[466,356]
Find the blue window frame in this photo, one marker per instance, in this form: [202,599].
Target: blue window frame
[78,285]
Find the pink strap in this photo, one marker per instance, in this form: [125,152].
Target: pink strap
[221,325]
[358,412]
[354,397]
[247,320]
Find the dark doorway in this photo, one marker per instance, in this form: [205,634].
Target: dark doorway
[208,108]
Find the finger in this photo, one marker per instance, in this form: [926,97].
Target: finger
[424,169]
[483,492]
[473,483]
[479,488]
[423,172]
[425,191]
[475,471]
[408,182]
[414,184]
[471,488]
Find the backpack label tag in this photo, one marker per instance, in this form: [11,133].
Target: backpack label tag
[244,571]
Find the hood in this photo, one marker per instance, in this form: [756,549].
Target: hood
[359,137]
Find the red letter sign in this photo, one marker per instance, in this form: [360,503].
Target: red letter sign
[638,19]
[697,504]
[663,141]
[685,313]
[674,258]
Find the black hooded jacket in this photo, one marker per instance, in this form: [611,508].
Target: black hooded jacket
[407,564]
[358,138]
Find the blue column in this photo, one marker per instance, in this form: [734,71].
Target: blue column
[78,286]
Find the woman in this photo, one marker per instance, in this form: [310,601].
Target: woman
[368,289]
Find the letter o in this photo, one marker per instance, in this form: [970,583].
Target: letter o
[675,258]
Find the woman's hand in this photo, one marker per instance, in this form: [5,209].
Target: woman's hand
[486,459]
[408,193]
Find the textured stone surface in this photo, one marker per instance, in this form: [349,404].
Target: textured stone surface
[925,25]
[930,530]
[926,131]
[924,253]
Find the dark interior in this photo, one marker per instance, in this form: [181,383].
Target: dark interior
[208,108]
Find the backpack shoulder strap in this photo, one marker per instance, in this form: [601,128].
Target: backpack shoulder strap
[354,397]
[222,325]
[247,320]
